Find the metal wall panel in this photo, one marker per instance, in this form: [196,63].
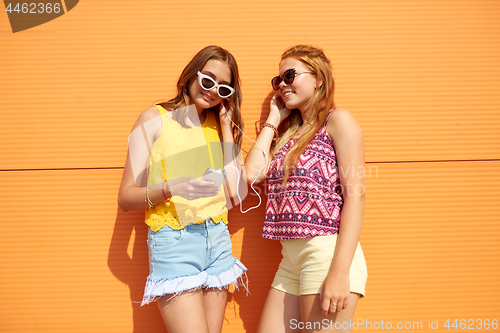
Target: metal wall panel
[421,78]
[431,232]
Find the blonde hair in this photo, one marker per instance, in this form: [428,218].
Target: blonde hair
[182,99]
[317,107]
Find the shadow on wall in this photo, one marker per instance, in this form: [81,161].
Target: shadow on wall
[134,270]
[261,256]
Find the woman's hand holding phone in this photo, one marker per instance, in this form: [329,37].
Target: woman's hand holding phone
[215,176]
[192,188]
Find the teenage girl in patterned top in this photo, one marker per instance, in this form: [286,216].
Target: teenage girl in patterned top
[315,205]
[171,146]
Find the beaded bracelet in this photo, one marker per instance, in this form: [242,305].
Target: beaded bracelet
[271,126]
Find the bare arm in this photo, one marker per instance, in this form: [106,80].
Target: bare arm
[348,142]
[232,162]
[259,156]
[131,195]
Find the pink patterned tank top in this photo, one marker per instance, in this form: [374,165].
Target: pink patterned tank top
[309,205]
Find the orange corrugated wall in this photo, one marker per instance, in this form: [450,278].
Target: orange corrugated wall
[421,77]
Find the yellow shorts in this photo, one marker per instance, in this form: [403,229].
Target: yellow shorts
[306,263]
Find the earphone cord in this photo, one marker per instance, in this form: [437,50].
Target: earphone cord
[253,182]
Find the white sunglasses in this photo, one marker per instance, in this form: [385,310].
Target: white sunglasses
[207,83]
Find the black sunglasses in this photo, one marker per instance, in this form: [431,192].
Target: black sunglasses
[288,77]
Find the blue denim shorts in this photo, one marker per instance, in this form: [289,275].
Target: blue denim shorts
[198,256]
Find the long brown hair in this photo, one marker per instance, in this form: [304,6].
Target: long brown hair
[317,107]
[182,99]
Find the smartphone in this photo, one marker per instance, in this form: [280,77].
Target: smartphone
[215,175]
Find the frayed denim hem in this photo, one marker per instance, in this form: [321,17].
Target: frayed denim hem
[236,276]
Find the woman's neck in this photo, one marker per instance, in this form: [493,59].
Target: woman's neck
[195,116]
[306,116]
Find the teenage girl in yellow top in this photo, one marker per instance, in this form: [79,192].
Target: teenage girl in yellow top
[170,148]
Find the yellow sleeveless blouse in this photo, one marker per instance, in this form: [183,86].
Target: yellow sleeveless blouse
[185,152]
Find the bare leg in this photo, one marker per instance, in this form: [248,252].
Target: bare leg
[184,313]
[334,322]
[215,301]
[280,311]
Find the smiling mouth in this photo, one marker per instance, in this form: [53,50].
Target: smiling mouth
[207,96]
[286,94]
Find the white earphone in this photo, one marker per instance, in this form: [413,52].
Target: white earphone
[253,182]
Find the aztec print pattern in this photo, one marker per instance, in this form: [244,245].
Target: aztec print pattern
[311,201]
